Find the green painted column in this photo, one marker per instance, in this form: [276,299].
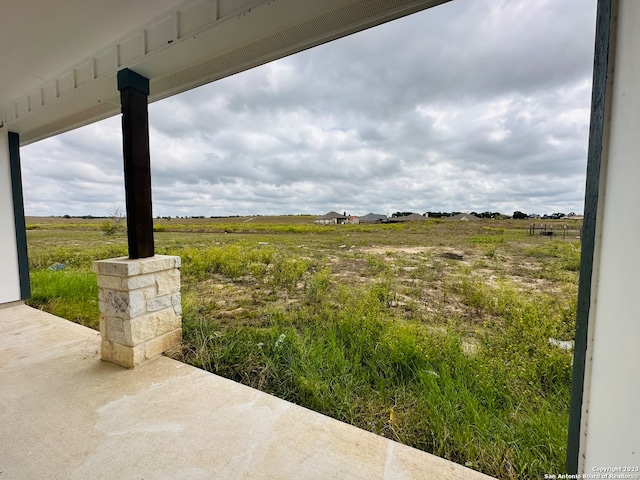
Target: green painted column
[18,215]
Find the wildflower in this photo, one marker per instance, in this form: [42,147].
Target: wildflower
[280,341]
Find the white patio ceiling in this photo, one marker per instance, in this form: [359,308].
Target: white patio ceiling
[59,60]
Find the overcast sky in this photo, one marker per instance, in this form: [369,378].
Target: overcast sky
[474,105]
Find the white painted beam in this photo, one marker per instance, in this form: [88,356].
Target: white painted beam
[10,276]
[610,420]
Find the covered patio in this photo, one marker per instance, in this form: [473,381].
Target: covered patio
[66,414]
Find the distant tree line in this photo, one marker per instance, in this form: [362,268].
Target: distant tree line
[84,217]
[554,216]
[401,214]
[486,214]
[441,214]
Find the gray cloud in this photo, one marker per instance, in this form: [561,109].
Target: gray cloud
[472,105]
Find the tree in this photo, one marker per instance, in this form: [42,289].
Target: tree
[115,222]
[488,214]
[518,215]
[400,214]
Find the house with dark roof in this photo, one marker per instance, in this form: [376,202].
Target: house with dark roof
[373,218]
[410,218]
[464,217]
[332,218]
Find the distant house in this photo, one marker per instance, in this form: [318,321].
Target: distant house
[332,218]
[373,218]
[464,217]
[410,218]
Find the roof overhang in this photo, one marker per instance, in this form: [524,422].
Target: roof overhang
[59,72]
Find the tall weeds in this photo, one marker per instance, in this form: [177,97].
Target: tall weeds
[344,353]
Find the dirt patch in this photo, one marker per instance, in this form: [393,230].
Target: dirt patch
[385,250]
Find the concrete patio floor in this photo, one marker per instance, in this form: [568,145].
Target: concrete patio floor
[65,414]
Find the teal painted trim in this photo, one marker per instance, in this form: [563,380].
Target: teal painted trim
[130,79]
[594,158]
[18,215]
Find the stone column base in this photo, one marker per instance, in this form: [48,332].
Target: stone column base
[140,309]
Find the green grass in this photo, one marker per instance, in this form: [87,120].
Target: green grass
[68,294]
[372,326]
[487,239]
[502,410]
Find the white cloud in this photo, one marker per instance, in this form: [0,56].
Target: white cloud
[472,105]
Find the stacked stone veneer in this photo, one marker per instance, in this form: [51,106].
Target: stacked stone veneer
[140,309]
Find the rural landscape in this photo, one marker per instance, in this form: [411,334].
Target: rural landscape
[454,337]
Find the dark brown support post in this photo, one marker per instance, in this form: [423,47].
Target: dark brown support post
[134,90]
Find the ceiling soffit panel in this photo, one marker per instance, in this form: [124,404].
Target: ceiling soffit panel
[198,43]
[56,105]
[324,26]
[42,38]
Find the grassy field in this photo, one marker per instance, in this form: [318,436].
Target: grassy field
[435,333]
